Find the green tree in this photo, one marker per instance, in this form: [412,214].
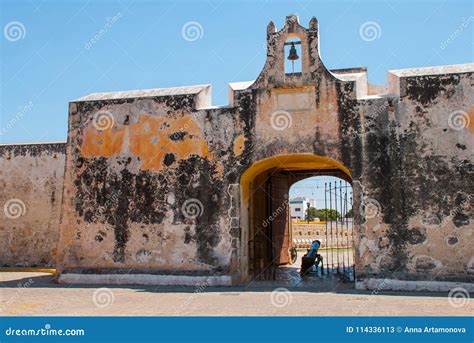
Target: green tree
[326,214]
[311,214]
[349,214]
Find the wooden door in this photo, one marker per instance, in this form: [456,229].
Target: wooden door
[278,215]
[260,254]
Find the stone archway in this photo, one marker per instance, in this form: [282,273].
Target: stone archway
[263,186]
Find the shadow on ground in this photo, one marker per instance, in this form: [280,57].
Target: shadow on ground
[314,284]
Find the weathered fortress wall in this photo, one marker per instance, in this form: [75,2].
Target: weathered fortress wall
[132,186]
[157,181]
[419,168]
[31,185]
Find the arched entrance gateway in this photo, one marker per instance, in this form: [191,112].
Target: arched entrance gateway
[266,223]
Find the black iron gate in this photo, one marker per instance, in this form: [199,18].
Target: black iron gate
[337,245]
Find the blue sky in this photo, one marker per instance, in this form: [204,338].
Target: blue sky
[53,60]
[313,188]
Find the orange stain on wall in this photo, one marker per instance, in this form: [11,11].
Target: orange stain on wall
[151,139]
[239,145]
[470,119]
[102,143]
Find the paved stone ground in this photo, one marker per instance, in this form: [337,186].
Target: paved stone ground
[36,294]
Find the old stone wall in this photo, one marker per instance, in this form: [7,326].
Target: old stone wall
[418,178]
[148,185]
[31,184]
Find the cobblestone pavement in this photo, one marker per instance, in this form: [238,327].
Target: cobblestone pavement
[36,294]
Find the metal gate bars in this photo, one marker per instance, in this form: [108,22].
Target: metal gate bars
[337,245]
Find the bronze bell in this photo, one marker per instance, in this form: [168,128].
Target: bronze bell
[293,54]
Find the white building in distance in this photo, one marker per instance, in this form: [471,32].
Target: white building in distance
[298,208]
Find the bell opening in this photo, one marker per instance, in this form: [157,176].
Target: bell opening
[292,56]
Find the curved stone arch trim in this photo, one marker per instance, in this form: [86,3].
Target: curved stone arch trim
[288,162]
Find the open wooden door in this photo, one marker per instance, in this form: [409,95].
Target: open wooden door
[278,214]
[269,235]
[260,255]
